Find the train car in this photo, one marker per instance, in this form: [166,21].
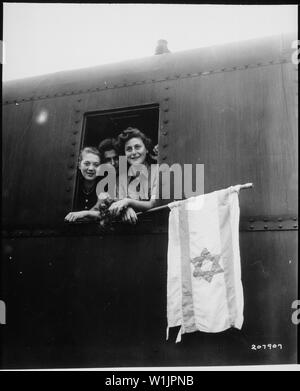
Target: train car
[78,296]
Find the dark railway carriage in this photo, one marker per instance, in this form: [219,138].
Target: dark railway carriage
[76,296]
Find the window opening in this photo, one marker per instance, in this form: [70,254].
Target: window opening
[99,126]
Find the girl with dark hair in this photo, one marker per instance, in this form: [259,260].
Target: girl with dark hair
[109,152]
[137,192]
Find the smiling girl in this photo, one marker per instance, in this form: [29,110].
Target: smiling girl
[89,161]
[140,192]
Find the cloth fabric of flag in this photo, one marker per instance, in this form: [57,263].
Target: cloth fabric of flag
[204,288]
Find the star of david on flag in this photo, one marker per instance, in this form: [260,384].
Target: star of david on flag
[201,271]
[204,288]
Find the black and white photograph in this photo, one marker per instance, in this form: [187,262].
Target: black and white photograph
[149,188]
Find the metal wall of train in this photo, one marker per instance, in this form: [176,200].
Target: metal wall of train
[40,163]
[101,301]
[240,122]
[90,299]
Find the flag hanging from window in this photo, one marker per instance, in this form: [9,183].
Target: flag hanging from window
[204,288]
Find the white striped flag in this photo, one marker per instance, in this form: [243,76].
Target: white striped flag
[204,288]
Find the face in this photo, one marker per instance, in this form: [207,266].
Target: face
[135,151]
[111,157]
[88,166]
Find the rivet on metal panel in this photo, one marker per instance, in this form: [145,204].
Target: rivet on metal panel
[75,132]
[295,218]
[77,121]
[167,87]
[72,154]
[280,226]
[265,227]
[251,226]
[164,133]
[68,189]
[295,226]
[166,121]
[74,143]
[164,157]
[166,110]
[165,145]
[279,219]
[251,220]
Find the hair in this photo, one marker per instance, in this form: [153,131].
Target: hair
[107,145]
[130,133]
[88,150]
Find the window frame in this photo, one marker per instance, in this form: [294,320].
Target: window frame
[145,217]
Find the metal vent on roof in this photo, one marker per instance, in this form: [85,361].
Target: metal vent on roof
[162,47]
